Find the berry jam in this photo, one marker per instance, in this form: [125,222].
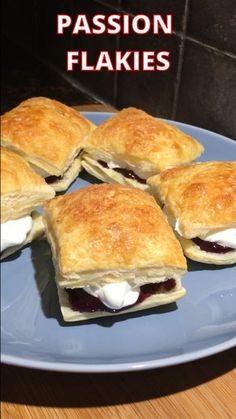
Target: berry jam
[211,246]
[125,172]
[52,179]
[81,301]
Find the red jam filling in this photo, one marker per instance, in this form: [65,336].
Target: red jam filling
[211,246]
[125,172]
[52,179]
[81,301]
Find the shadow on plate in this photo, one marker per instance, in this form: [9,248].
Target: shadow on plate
[13,256]
[110,321]
[58,389]
[89,178]
[44,277]
[198,266]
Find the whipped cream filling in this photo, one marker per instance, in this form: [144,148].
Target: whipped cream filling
[226,237]
[176,227]
[172,222]
[116,295]
[112,165]
[14,232]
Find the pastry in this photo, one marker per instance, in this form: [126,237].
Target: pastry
[50,136]
[22,191]
[132,146]
[113,252]
[200,202]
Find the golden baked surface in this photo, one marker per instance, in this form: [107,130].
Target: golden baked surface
[46,130]
[22,190]
[201,196]
[137,138]
[110,227]
[17,175]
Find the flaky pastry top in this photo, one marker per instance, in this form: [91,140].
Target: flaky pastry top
[142,142]
[17,176]
[22,190]
[108,227]
[46,132]
[201,196]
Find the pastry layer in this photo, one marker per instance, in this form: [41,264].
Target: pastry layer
[155,300]
[63,183]
[109,175]
[194,252]
[22,190]
[46,132]
[109,233]
[198,198]
[136,140]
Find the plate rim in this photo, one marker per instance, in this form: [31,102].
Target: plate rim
[125,366]
[118,367]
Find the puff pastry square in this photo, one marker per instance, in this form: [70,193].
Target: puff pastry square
[132,146]
[50,136]
[112,234]
[200,202]
[22,191]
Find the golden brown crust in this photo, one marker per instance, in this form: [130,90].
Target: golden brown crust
[142,142]
[17,175]
[104,227]
[46,132]
[201,196]
[22,189]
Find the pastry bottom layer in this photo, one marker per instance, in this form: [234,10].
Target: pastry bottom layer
[193,251]
[62,183]
[154,300]
[109,175]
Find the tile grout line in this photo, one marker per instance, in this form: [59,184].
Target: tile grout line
[118,7]
[215,49]
[77,85]
[115,86]
[179,34]
[180,61]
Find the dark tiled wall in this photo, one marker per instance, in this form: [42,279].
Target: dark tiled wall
[207,93]
[18,21]
[200,87]
[214,22]
[152,91]
[176,8]
[102,83]
[50,47]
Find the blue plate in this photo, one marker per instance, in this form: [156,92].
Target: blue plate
[200,324]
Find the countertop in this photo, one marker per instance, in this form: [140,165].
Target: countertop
[199,389]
